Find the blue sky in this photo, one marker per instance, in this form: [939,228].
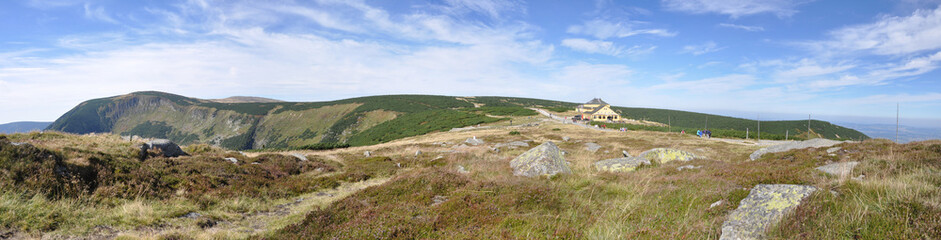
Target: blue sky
[837,60]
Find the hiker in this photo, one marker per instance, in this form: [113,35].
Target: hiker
[699,133]
[683,132]
[709,133]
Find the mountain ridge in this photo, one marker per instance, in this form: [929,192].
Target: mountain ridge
[357,121]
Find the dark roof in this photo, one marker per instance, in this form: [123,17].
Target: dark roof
[597,101]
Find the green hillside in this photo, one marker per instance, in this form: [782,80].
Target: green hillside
[691,121]
[359,121]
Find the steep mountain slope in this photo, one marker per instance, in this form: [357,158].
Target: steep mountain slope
[22,127]
[356,121]
[258,125]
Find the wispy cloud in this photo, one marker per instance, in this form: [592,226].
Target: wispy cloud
[605,47]
[889,36]
[742,27]
[713,85]
[736,8]
[809,68]
[98,13]
[491,8]
[701,49]
[604,29]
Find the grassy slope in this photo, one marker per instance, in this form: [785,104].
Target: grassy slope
[692,121]
[898,198]
[293,124]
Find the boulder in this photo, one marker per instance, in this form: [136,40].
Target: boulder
[545,159]
[299,156]
[839,169]
[513,144]
[593,147]
[417,153]
[814,143]
[625,164]
[625,154]
[664,155]
[566,139]
[833,149]
[232,160]
[764,207]
[161,147]
[474,141]
[367,153]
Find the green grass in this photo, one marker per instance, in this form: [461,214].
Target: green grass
[721,133]
[504,111]
[417,124]
[693,121]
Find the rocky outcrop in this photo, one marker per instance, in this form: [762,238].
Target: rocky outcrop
[764,207]
[161,147]
[664,155]
[545,159]
[624,164]
[813,143]
[839,169]
[592,147]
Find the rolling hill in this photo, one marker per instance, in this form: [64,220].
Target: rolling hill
[22,127]
[355,121]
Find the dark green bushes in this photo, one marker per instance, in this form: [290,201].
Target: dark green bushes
[324,146]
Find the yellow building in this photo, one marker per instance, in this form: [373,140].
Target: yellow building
[597,110]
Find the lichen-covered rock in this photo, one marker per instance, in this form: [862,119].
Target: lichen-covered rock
[161,147]
[593,147]
[624,164]
[839,169]
[813,143]
[664,155]
[545,159]
[764,207]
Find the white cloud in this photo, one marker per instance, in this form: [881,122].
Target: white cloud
[595,75]
[491,8]
[98,13]
[810,68]
[713,85]
[743,27]
[605,47]
[932,97]
[734,8]
[701,49]
[603,29]
[889,36]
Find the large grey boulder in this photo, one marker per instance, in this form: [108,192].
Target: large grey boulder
[813,143]
[624,164]
[839,169]
[664,155]
[764,207]
[545,159]
[593,147]
[161,147]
